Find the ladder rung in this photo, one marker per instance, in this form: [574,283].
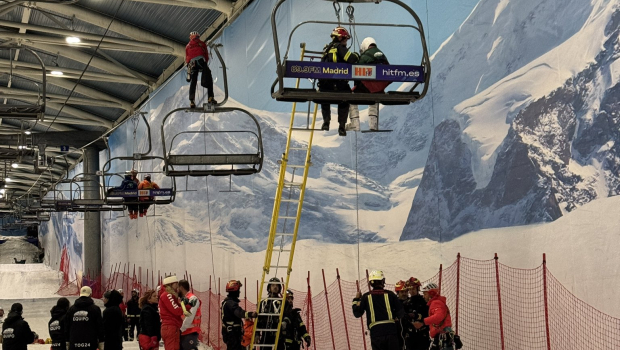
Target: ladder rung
[299,148]
[284,234]
[289,200]
[300,112]
[306,129]
[265,330]
[287,217]
[295,166]
[272,298]
[278,267]
[267,314]
[292,184]
[284,250]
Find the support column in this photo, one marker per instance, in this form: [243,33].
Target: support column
[92,220]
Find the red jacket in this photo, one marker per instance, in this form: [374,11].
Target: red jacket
[438,315]
[170,310]
[147,185]
[195,48]
[191,324]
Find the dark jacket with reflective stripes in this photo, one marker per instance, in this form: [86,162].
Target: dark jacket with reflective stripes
[232,314]
[338,53]
[382,307]
[295,330]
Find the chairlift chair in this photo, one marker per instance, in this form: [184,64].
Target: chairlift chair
[419,75]
[25,111]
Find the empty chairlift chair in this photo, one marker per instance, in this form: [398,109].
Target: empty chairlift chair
[15,107]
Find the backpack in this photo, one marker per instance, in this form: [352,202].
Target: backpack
[248,327]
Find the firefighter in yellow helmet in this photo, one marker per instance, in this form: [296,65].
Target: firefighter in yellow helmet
[383,310]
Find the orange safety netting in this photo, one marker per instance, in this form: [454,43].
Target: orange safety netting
[493,307]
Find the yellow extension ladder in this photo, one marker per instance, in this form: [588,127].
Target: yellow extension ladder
[291,192]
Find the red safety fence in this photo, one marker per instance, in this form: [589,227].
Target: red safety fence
[493,307]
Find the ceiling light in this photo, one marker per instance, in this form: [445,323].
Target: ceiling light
[14,165]
[8,179]
[73,39]
[57,72]
[2,191]
[0,195]
[27,132]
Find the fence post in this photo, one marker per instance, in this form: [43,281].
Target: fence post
[219,326]
[344,315]
[245,294]
[499,301]
[367,281]
[209,315]
[329,314]
[440,276]
[458,290]
[311,312]
[546,301]
[191,284]
[361,318]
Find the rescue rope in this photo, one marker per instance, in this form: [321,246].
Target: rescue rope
[204,137]
[357,209]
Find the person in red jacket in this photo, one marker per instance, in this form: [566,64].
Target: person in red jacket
[197,59]
[438,319]
[171,313]
[146,184]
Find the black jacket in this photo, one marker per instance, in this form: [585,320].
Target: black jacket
[56,327]
[386,307]
[84,325]
[113,322]
[133,307]
[418,338]
[16,333]
[295,331]
[335,52]
[150,324]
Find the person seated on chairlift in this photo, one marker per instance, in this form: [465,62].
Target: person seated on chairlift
[133,182]
[370,54]
[337,52]
[197,59]
[146,184]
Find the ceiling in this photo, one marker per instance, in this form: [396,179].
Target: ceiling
[127,49]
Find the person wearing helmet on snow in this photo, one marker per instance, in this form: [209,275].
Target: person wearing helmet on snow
[271,305]
[382,309]
[415,309]
[337,52]
[404,325]
[133,313]
[438,319]
[294,331]
[232,315]
[197,59]
[370,54]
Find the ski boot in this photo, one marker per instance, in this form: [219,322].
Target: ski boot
[325,126]
[192,104]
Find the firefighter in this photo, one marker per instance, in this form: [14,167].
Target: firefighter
[382,309]
[232,315]
[417,309]
[294,331]
[270,305]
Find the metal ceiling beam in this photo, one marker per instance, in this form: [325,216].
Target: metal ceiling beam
[82,57]
[30,94]
[69,73]
[117,26]
[90,92]
[80,113]
[92,38]
[224,6]
[53,40]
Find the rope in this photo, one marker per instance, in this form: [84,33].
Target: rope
[204,129]
[357,212]
[351,13]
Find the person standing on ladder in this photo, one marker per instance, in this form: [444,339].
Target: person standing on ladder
[232,315]
[382,309]
[270,305]
[197,59]
[370,55]
[337,52]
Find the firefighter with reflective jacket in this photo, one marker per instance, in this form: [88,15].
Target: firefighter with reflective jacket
[232,315]
[337,52]
[293,329]
[271,305]
[438,320]
[382,309]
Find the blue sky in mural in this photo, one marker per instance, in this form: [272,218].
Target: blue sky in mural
[251,66]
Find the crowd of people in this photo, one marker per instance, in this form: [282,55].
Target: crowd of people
[410,318]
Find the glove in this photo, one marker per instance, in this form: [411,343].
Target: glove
[100,346]
[67,345]
[283,325]
[185,312]
[308,341]
[415,317]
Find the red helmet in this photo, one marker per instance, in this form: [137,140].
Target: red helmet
[413,282]
[233,286]
[400,285]
[340,33]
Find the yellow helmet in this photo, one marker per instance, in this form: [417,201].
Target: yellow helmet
[376,275]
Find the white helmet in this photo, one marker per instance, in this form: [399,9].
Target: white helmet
[376,275]
[366,43]
[429,287]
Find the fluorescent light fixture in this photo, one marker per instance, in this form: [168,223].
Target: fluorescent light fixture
[14,165]
[27,132]
[8,179]
[73,39]
[0,195]
[56,72]
[2,191]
